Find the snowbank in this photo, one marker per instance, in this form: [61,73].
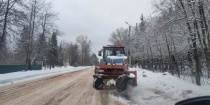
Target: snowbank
[32,74]
[163,89]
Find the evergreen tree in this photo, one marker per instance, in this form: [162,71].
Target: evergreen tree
[54,50]
[93,60]
[49,55]
[74,55]
[22,44]
[60,55]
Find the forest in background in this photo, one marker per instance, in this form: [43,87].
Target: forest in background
[174,38]
[28,36]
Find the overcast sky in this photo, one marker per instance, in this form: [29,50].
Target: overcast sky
[97,19]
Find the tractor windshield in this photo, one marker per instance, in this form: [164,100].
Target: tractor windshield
[113,51]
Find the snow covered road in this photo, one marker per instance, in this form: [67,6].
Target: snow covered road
[74,88]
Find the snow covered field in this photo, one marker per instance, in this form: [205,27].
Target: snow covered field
[162,89]
[13,77]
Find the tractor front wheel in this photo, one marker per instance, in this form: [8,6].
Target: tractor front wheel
[121,83]
[98,83]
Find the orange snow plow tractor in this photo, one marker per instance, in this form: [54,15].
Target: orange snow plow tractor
[113,65]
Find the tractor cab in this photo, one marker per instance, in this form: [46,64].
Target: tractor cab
[113,54]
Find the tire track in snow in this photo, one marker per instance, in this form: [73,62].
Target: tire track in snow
[67,89]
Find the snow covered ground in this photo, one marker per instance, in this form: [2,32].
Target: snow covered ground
[13,77]
[153,88]
[162,89]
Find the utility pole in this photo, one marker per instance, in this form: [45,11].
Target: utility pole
[129,41]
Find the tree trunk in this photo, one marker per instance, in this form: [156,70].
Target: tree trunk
[169,53]
[3,37]
[204,29]
[195,52]
[174,60]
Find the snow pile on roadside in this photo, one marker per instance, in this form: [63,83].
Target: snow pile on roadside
[32,74]
[120,99]
[162,89]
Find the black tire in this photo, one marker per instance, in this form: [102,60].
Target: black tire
[121,83]
[98,83]
[131,81]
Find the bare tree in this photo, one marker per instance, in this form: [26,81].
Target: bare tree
[179,27]
[36,15]
[120,36]
[5,20]
[85,48]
